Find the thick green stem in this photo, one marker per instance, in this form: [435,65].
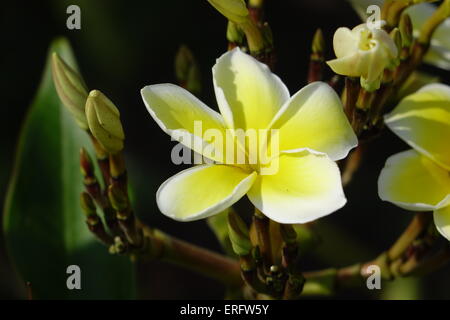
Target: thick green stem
[442,13]
[205,262]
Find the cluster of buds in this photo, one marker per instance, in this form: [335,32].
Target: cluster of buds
[93,112]
[99,117]
[263,270]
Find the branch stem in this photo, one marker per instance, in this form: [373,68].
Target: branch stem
[181,253]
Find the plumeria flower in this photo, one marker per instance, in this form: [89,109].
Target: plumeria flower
[312,128]
[362,52]
[439,53]
[419,179]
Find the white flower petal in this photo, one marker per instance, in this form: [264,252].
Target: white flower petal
[345,42]
[306,187]
[202,191]
[247,92]
[423,121]
[176,111]
[314,118]
[442,221]
[439,53]
[413,182]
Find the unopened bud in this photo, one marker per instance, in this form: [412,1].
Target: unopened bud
[118,198]
[406,30]
[87,204]
[187,70]
[318,43]
[86,166]
[239,235]
[71,89]
[104,121]
[397,38]
[267,34]
[234,10]
[234,33]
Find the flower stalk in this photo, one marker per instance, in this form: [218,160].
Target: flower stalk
[317,58]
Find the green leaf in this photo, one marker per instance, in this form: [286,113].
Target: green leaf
[44,225]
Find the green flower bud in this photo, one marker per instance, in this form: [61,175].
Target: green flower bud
[397,38]
[234,10]
[187,71]
[267,34]
[104,121]
[239,235]
[71,89]
[87,204]
[86,166]
[118,198]
[234,33]
[318,43]
[406,30]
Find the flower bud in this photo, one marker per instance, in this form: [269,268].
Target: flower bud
[71,89]
[233,10]
[238,233]
[363,52]
[104,121]
[187,71]
[318,43]
[87,204]
[118,198]
[406,30]
[234,33]
[397,38]
[86,166]
[267,34]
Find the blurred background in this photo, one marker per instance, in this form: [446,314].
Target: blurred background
[125,45]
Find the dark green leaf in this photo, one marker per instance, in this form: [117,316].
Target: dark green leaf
[44,225]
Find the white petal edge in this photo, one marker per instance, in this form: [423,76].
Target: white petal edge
[313,209]
[383,184]
[339,148]
[165,201]
[181,134]
[394,115]
[442,221]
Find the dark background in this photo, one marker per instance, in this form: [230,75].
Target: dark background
[125,45]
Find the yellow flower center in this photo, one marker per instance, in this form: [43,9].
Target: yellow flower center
[366,41]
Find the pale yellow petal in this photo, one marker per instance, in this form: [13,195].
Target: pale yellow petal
[442,221]
[413,182]
[423,121]
[306,186]
[247,92]
[345,42]
[203,191]
[350,65]
[186,119]
[314,118]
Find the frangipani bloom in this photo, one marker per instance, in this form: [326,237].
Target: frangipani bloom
[419,179]
[362,52]
[439,53]
[312,128]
